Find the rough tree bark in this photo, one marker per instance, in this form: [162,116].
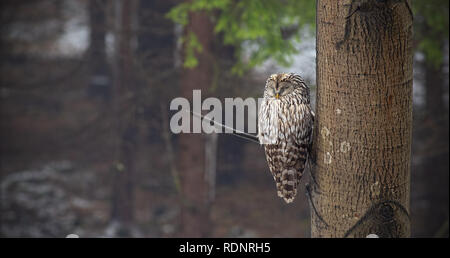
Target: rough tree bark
[191,163]
[364,118]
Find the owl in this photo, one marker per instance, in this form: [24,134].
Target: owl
[285,126]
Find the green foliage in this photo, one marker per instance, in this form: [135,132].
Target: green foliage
[431,28]
[269,27]
[192,46]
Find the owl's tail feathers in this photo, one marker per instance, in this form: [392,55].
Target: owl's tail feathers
[287,184]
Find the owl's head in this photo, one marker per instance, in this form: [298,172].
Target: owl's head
[282,84]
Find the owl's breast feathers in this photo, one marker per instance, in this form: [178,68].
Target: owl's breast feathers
[285,119]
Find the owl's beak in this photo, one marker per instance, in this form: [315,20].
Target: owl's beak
[277,96]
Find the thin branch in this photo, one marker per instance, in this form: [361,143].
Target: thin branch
[235,132]
[170,153]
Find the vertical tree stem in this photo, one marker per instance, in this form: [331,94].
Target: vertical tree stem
[362,142]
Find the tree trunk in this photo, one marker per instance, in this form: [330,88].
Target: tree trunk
[364,117]
[436,164]
[124,110]
[156,40]
[430,178]
[100,82]
[195,210]
[211,165]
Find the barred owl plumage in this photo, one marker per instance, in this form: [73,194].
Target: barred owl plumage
[285,129]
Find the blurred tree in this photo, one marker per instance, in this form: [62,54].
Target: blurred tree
[155,60]
[431,38]
[100,82]
[431,28]
[156,38]
[159,76]
[191,163]
[362,138]
[124,116]
[267,28]
[430,210]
